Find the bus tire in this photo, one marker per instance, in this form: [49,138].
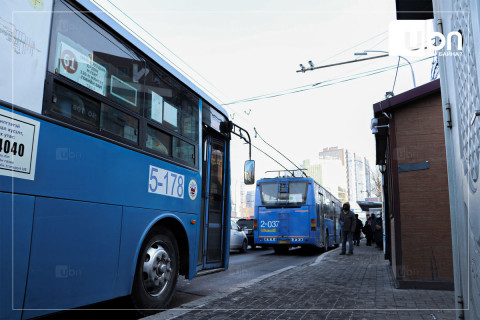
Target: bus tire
[156,273]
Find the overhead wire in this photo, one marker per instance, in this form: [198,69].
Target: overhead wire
[350,48]
[308,86]
[301,88]
[268,156]
[396,73]
[256,133]
[167,59]
[321,84]
[335,55]
[155,49]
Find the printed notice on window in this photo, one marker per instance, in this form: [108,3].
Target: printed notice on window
[18,145]
[81,68]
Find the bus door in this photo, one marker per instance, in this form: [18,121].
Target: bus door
[212,235]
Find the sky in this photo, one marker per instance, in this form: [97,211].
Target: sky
[241,49]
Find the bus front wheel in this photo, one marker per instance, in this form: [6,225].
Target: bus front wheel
[157,272]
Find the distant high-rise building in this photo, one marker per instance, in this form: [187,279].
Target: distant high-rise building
[314,169]
[333,153]
[329,171]
[360,177]
[345,174]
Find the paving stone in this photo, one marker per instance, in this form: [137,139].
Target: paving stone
[339,287]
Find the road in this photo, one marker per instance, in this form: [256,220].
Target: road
[243,267]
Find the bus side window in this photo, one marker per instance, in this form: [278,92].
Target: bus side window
[119,123]
[76,106]
[158,141]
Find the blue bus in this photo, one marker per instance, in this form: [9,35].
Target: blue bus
[295,211]
[114,167]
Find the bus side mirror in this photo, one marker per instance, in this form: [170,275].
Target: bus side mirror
[249,172]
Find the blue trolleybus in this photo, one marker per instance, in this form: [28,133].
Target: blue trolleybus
[114,168]
[292,211]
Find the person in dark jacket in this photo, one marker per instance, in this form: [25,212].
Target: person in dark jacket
[358,230]
[369,229]
[347,222]
[378,235]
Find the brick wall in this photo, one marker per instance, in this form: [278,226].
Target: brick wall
[424,205]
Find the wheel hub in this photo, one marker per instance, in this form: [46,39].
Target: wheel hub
[157,269]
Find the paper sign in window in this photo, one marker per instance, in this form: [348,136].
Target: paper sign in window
[170,114]
[79,67]
[157,107]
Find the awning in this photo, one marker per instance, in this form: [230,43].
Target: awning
[367,205]
[414,9]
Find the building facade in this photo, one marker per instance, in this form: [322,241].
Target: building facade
[411,145]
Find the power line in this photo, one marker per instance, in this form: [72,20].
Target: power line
[269,156]
[257,134]
[321,84]
[312,67]
[155,49]
[396,72]
[345,50]
[158,41]
[308,86]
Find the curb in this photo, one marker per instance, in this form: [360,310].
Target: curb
[322,256]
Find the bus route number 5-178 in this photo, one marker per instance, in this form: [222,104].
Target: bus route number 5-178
[166,182]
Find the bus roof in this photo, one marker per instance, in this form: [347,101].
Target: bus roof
[147,51]
[289,178]
[263,180]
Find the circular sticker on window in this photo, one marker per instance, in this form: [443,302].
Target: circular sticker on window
[192,189]
[36,4]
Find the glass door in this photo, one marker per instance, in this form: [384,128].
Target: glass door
[212,226]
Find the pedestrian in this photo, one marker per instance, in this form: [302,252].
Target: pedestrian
[358,230]
[347,223]
[379,233]
[368,229]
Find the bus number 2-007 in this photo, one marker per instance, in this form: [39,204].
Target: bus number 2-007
[269,224]
[8,147]
[164,182]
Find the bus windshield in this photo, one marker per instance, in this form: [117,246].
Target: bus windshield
[284,193]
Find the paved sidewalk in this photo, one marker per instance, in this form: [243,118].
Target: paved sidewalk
[335,287]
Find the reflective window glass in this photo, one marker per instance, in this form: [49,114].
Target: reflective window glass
[91,57]
[158,141]
[183,150]
[119,123]
[74,105]
[171,104]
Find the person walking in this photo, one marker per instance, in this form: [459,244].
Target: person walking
[378,236]
[358,230]
[347,222]
[369,229]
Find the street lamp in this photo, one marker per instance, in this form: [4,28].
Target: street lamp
[382,168]
[364,53]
